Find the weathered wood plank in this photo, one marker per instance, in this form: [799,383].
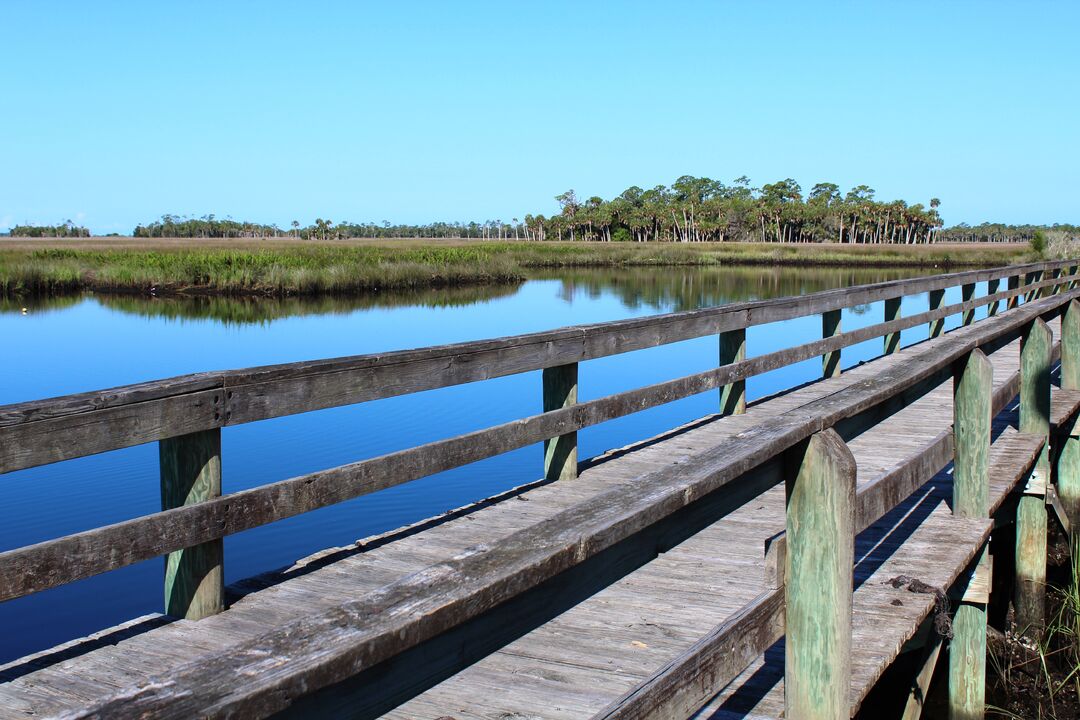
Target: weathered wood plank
[1012,458]
[111,428]
[683,685]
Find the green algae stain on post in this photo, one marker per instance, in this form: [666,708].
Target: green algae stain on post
[830,326]
[992,288]
[967,658]
[1068,469]
[937,301]
[560,453]
[191,473]
[1014,284]
[972,389]
[973,382]
[892,312]
[1070,346]
[967,293]
[1031,519]
[818,572]
[732,350]
[1030,279]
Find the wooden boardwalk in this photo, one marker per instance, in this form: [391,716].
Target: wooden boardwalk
[593,653]
[579,644]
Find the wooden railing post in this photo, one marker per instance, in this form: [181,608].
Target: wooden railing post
[1014,284]
[973,383]
[818,572]
[560,453]
[1031,516]
[191,473]
[1072,274]
[892,312]
[1030,279]
[967,292]
[992,288]
[830,326]
[732,350]
[937,301]
[1056,275]
[1068,468]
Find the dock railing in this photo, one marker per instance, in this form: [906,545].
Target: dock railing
[186,414]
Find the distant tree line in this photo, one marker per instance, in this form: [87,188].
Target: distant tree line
[64,230]
[209,226]
[692,209]
[696,209]
[997,232]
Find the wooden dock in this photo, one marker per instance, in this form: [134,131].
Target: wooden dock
[689,575]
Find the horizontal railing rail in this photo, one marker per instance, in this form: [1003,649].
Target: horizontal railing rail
[141,413]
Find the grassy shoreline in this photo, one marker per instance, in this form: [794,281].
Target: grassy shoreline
[284,267]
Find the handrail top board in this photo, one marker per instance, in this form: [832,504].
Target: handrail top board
[322,649]
[484,359]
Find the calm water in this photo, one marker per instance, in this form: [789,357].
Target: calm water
[69,345]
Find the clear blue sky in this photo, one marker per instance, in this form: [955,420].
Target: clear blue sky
[117,112]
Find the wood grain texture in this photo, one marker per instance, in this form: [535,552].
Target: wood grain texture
[1070,346]
[892,312]
[967,659]
[830,327]
[972,389]
[733,350]
[682,686]
[937,300]
[820,554]
[191,473]
[561,451]
[967,293]
[991,289]
[1031,519]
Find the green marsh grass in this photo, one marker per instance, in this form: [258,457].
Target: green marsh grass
[302,269]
